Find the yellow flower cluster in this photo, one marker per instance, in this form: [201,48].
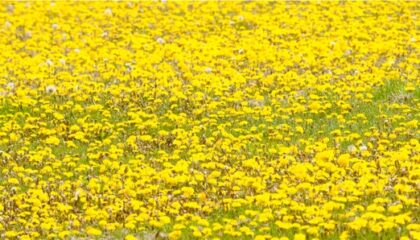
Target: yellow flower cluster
[209,120]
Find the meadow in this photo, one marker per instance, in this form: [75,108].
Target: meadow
[210,120]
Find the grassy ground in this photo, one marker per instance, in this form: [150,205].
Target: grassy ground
[230,120]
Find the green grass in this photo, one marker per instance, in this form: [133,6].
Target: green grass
[323,124]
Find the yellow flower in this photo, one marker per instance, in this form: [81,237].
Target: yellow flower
[284,225]
[187,191]
[52,140]
[13,181]
[344,235]
[58,116]
[130,237]
[11,234]
[174,235]
[197,233]
[376,228]
[299,236]
[324,156]
[208,119]
[64,234]
[93,231]
[344,160]
[415,234]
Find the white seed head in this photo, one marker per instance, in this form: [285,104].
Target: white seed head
[10,8]
[51,89]
[160,40]
[7,24]
[351,148]
[10,85]
[49,62]
[108,11]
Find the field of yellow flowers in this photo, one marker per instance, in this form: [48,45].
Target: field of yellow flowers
[209,120]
